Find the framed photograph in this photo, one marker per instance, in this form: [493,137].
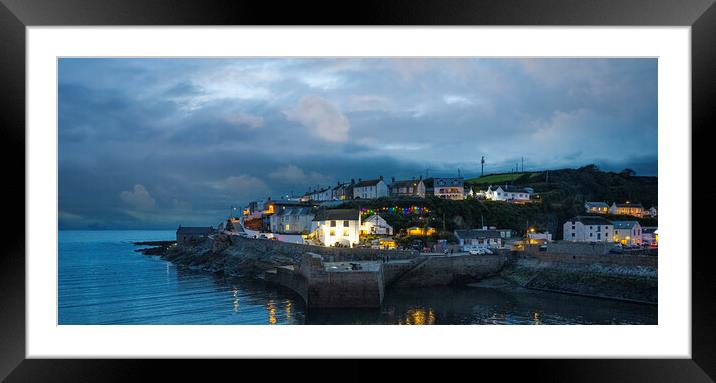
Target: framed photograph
[472,180]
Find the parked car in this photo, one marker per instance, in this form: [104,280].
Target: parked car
[263,236]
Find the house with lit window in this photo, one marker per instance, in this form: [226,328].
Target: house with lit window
[628,208]
[407,188]
[421,231]
[480,237]
[507,193]
[337,227]
[627,232]
[342,191]
[292,220]
[596,207]
[588,229]
[370,189]
[375,225]
[445,187]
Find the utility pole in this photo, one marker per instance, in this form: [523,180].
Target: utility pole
[523,164]
[482,167]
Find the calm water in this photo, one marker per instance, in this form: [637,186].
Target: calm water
[102,280]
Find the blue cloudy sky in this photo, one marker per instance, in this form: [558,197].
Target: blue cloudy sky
[151,143]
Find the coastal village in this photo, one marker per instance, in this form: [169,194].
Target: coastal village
[358,214]
[344,245]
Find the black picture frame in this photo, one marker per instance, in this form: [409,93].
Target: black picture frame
[15,15]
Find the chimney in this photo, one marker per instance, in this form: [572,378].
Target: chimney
[381,178]
[421,177]
[353,181]
[392,179]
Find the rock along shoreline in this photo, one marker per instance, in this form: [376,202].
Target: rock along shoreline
[619,277]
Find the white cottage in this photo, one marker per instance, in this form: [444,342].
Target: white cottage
[588,229]
[370,189]
[337,227]
[292,220]
[506,193]
[375,224]
[627,232]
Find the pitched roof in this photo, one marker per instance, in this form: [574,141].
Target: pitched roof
[508,188]
[365,183]
[341,186]
[636,205]
[648,229]
[295,210]
[590,220]
[590,204]
[478,233]
[624,224]
[450,181]
[337,215]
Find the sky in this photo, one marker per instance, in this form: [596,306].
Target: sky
[158,142]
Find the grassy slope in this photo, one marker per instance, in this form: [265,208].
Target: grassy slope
[496,178]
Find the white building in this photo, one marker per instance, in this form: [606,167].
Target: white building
[337,226]
[481,237]
[534,237]
[596,207]
[370,189]
[446,187]
[506,193]
[588,229]
[375,224]
[628,208]
[292,220]
[321,194]
[650,235]
[627,232]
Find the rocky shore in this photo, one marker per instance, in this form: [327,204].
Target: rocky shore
[634,283]
[613,277]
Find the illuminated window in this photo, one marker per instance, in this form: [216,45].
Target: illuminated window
[286,227]
[332,233]
[345,232]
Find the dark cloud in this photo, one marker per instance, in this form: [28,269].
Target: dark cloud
[158,142]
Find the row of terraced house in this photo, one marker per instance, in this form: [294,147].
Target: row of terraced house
[441,187]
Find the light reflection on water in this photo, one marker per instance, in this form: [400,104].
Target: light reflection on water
[103,281]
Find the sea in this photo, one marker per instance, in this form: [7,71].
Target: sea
[103,280]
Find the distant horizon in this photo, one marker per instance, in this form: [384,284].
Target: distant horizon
[148,142]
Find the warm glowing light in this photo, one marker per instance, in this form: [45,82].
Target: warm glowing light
[271,312]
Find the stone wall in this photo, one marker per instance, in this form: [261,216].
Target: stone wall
[573,248]
[611,259]
[292,253]
[445,270]
[632,279]
[331,289]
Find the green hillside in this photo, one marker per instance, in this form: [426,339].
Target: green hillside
[495,179]
[561,195]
